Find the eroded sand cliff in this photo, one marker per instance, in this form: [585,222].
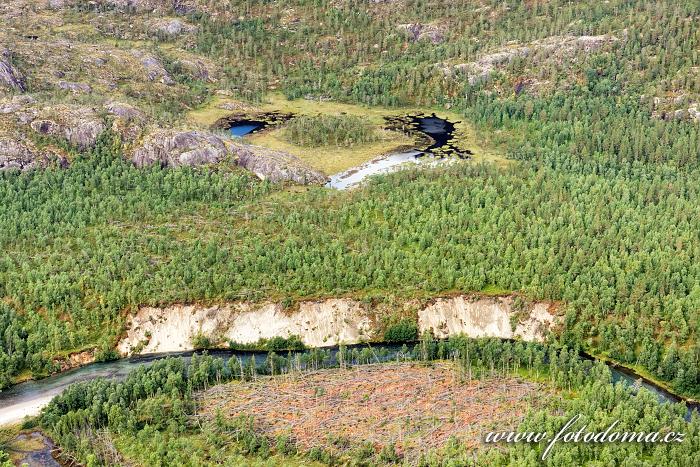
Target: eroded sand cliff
[327,322]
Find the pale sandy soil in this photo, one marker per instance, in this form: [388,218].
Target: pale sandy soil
[325,322]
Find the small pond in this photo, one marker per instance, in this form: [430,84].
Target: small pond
[240,126]
[245,127]
[434,133]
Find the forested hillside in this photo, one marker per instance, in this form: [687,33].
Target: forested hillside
[118,190]
[597,104]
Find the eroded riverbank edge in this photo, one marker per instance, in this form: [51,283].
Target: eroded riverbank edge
[332,321]
[156,332]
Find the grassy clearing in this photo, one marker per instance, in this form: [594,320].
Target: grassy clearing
[333,159]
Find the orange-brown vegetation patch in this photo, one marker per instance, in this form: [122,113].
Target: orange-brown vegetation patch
[415,407]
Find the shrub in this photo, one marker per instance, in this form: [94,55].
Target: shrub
[200,341]
[328,130]
[106,353]
[289,343]
[405,330]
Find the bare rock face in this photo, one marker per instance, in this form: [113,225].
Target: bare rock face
[21,155]
[277,166]
[80,126]
[128,121]
[154,68]
[10,77]
[170,28]
[418,31]
[331,321]
[169,148]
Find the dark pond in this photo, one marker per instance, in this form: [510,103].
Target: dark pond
[240,126]
[439,134]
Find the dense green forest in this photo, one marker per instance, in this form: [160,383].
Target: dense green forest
[149,415]
[323,47]
[100,195]
[620,249]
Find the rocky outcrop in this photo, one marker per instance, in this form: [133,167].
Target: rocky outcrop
[10,77]
[125,112]
[418,31]
[128,121]
[21,155]
[197,69]
[136,6]
[15,104]
[58,4]
[326,322]
[153,67]
[277,166]
[169,148]
[680,107]
[169,28]
[80,126]
[555,48]
[76,360]
[76,88]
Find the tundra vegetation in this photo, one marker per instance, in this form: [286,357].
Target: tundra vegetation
[595,102]
[325,130]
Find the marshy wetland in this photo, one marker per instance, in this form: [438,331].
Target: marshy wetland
[390,123]
[349,146]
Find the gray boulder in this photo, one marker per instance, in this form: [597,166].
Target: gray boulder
[10,77]
[80,126]
[169,148]
[170,28]
[15,104]
[75,88]
[16,154]
[154,68]
[277,166]
[58,4]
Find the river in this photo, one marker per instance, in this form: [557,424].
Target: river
[27,399]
